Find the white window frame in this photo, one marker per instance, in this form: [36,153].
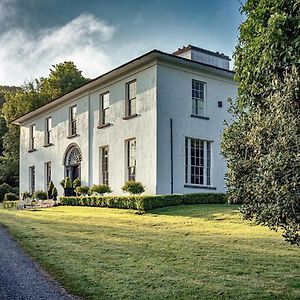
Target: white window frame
[32,134]
[47,175]
[197,100]
[104,174]
[129,165]
[73,120]
[104,108]
[32,179]
[131,101]
[48,129]
[207,162]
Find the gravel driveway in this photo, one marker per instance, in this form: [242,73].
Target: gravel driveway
[21,278]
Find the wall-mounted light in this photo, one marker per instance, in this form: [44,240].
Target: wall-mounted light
[220,103]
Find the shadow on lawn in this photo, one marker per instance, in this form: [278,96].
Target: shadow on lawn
[218,212]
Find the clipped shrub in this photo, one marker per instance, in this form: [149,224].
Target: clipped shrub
[26,195]
[68,183]
[82,190]
[10,204]
[40,195]
[144,202]
[54,193]
[50,187]
[133,187]
[11,197]
[76,183]
[5,188]
[100,189]
[62,183]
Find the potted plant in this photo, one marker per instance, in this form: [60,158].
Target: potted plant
[50,189]
[68,187]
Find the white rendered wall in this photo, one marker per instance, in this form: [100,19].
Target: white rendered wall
[174,100]
[90,138]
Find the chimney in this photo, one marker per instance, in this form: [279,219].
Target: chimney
[204,56]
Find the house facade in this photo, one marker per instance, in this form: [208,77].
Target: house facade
[156,119]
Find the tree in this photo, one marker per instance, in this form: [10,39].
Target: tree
[262,142]
[63,78]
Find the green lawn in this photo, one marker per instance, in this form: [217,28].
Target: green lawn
[183,252]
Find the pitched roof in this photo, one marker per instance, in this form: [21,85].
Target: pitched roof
[154,54]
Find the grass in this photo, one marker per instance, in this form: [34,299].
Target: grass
[183,252]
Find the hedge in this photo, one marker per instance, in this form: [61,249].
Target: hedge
[143,202]
[10,204]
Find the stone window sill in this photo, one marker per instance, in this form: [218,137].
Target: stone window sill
[103,125]
[72,136]
[48,145]
[203,187]
[130,117]
[200,117]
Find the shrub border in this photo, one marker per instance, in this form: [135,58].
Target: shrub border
[144,202]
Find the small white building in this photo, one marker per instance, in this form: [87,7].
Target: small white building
[156,119]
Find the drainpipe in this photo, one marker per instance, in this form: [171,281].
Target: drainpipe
[89,141]
[171,145]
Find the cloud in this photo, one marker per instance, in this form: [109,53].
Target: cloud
[25,55]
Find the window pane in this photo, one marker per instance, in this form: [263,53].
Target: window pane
[198,98]
[131,159]
[104,167]
[196,161]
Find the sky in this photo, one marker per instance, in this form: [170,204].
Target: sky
[99,35]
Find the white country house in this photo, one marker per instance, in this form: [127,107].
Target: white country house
[156,119]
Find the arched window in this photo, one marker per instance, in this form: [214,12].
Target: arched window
[72,162]
[73,157]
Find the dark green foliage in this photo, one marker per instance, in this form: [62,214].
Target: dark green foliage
[11,197]
[50,187]
[62,183]
[54,193]
[100,189]
[5,188]
[76,183]
[40,195]
[10,204]
[67,183]
[262,142]
[82,190]
[26,195]
[62,79]
[144,203]
[133,187]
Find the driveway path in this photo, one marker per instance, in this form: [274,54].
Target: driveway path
[21,278]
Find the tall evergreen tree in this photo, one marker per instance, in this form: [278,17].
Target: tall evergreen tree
[262,143]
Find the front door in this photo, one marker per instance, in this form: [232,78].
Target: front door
[75,172]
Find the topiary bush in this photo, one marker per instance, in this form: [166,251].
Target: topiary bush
[40,195]
[54,193]
[62,183]
[26,195]
[50,188]
[100,189]
[82,190]
[68,183]
[133,187]
[5,188]
[76,183]
[11,197]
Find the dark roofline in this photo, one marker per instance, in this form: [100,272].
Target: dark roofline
[154,51]
[191,47]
